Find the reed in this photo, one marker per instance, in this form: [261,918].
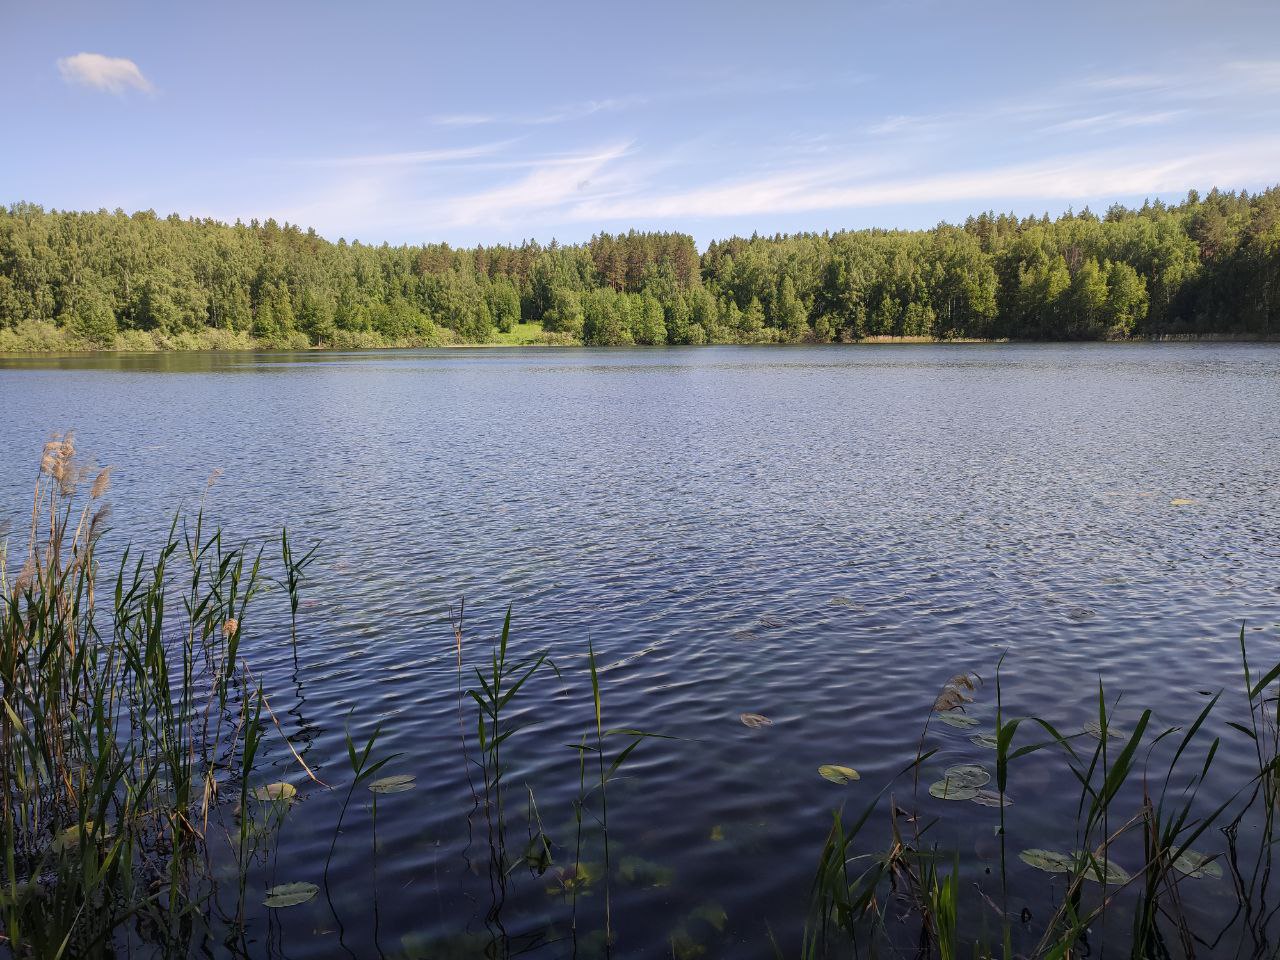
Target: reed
[1144,784]
[128,725]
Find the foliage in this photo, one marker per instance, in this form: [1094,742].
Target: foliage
[1207,266]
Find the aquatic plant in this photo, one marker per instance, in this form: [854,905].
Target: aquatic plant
[128,724]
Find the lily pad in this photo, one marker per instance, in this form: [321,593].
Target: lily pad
[289,895]
[984,740]
[968,774]
[950,790]
[1094,729]
[1095,870]
[398,783]
[989,798]
[69,838]
[275,791]
[1197,865]
[1050,861]
[644,873]
[958,720]
[754,720]
[838,774]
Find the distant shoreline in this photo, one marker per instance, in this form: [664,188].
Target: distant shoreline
[133,349]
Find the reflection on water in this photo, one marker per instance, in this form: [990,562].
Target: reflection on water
[817,536]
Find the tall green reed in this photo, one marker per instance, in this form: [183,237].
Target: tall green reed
[125,719]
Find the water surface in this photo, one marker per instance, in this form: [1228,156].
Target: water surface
[819,535]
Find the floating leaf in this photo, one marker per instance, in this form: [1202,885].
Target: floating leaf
[644,873]
[1094,729]
[578,878]
[398,783]
[1050,861]
[275,791]
[289,895]
[984,740]
[711,913]
[838,774]
[968,774]
[754,720]
[1181,502]
[989,798]
[958,720]
[1095,870]
[950,790]
[69,838]
[1197,865]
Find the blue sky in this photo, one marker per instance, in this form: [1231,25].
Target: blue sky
[493,122]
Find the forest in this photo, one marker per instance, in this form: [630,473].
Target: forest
[1208,266]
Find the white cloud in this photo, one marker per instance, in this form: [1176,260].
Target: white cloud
[1259,76]
[1078,177]
[1115,120]
[113,74]
[561,114]
[544,188]
[409,158]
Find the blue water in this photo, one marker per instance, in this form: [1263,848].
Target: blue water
[819,535]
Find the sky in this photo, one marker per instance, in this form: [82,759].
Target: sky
[416,121]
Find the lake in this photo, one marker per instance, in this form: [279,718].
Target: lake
[822,536]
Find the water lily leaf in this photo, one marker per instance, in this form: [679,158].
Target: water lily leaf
[576,878]
[398,783]
[958,720]
[968,775]
[275,791]
[1095,870]
[1050,861]
[984,740]
[69,838]
[644,873]
[1197,865]
[950,790]
[754,720]
[838,774]
[289,895]
[1094,729]
[711,913]
[989,798]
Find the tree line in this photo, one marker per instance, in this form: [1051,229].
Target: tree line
[1206,266]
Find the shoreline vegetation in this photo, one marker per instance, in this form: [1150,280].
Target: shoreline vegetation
[1205,268]
[138,818]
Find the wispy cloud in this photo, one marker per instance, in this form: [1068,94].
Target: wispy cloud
[411,158]
[112,74]
[546,188]
[1261,76]
[463,119]
[1075,177]
[1114,120]
[561,114]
